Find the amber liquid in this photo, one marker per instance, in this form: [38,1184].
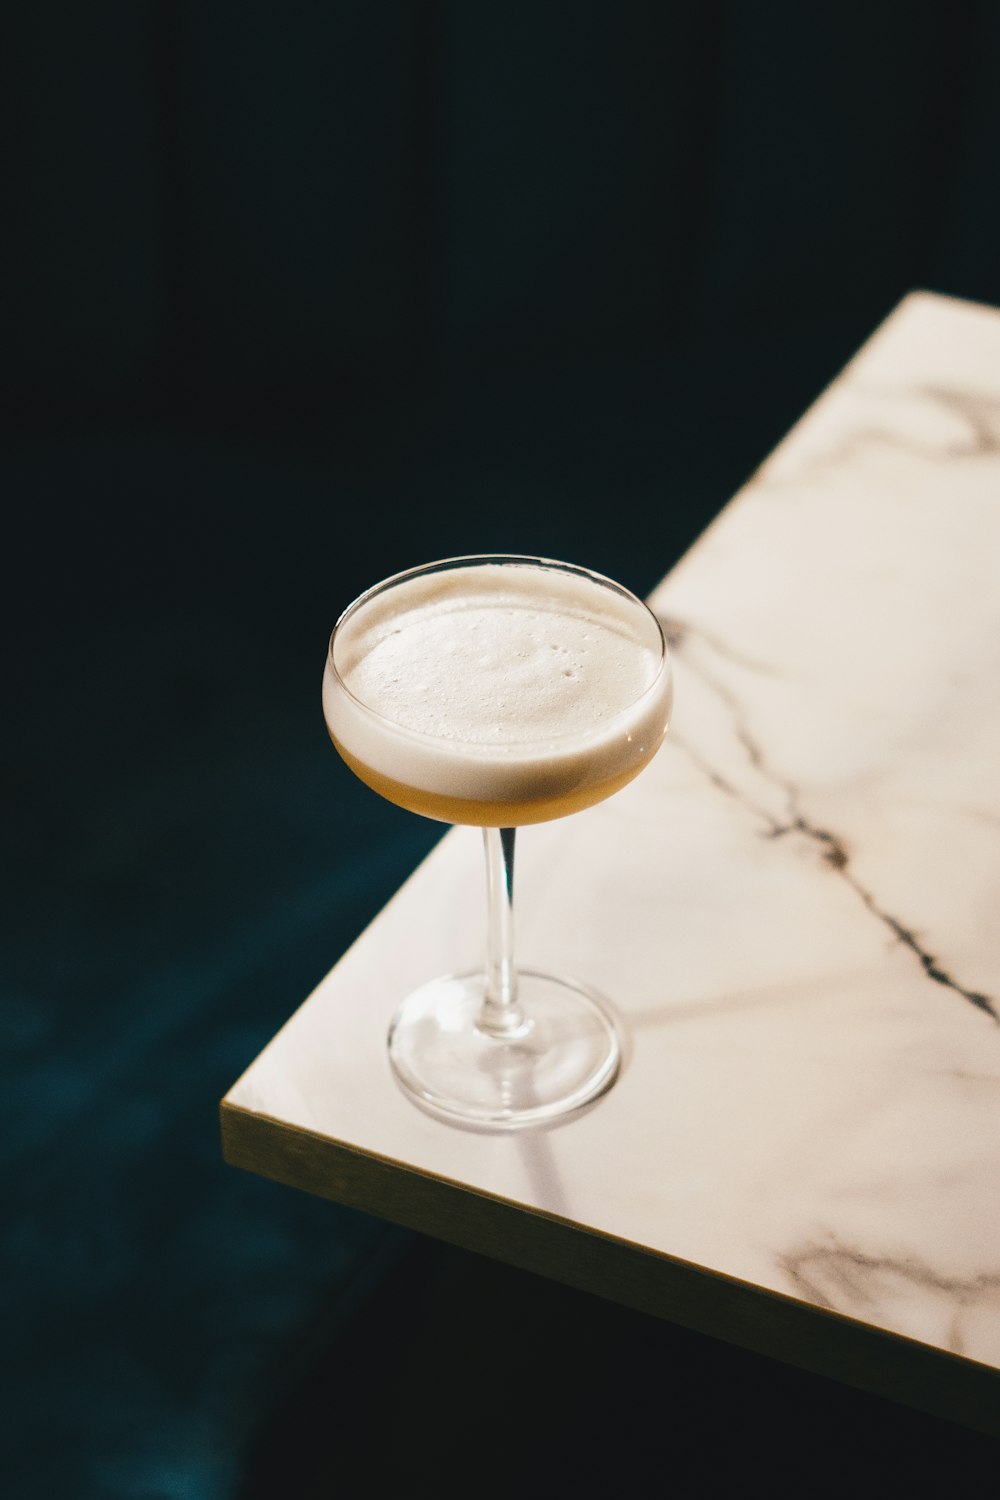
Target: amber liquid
[506,814]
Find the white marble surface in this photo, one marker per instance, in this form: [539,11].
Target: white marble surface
[796,909]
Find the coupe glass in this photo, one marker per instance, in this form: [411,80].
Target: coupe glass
[497,691]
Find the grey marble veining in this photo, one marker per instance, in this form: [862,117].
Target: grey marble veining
[796,909]
[791,818]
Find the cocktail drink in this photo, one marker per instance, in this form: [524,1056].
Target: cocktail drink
[497,692]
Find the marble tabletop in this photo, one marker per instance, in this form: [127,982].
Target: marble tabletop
[795,909]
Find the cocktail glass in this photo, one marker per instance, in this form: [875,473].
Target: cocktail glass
[498,691]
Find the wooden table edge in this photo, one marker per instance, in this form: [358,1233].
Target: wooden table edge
[774,1324]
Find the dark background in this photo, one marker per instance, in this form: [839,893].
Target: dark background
[294,296]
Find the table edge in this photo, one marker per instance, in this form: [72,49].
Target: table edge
[774,1324]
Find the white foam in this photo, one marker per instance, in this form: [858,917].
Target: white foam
[490,681]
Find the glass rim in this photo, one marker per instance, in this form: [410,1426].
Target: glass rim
[572,737]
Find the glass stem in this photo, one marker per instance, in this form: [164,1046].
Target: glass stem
[501,1016]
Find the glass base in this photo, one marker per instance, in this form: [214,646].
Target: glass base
[566,1053]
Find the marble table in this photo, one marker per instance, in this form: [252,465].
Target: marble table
[796,910]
